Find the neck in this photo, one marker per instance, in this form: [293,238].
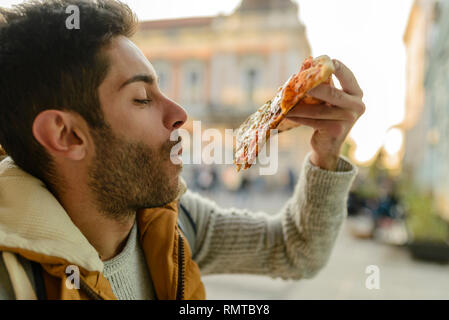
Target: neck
[107,235]
[110,239]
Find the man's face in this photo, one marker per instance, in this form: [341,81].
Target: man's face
[131,168]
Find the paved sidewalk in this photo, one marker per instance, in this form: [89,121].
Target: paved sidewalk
[344,277]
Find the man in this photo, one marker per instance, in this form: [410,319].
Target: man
[89,197]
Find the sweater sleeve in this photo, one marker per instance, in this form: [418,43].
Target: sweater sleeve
[295,243]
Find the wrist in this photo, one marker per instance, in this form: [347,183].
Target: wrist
[326,162]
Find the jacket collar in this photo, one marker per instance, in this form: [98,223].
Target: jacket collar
[31,218]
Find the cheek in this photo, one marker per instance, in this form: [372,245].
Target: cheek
[141,124]
[146,125]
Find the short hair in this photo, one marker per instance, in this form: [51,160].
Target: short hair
[45,65]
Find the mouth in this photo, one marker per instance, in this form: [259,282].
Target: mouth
[176,156]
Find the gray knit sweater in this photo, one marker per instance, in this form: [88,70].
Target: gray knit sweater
[295,243]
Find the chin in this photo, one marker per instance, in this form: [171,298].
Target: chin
[175,169]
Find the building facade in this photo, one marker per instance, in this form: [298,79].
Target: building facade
[222,68]
[427,101]
[225,66]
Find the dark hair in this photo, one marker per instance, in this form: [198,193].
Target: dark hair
[44,65]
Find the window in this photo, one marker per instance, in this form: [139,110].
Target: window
[192,85]
[163,71]
[251,76]
[251,70]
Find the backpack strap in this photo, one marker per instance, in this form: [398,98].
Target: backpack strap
[38,280]
[183,224]
[21,284]
[192,223]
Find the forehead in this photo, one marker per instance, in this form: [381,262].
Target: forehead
[125,61]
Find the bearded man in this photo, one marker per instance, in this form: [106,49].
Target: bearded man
[92,206]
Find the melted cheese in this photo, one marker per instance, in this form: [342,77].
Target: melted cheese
[253,133]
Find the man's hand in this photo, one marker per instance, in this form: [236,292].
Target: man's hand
[331,123]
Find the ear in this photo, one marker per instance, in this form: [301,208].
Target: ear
[59,132]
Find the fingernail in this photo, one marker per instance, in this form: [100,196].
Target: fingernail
[336,64]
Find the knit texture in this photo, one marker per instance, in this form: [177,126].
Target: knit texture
[128,273]
[295,243]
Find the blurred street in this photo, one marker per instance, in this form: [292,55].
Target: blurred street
[344,277]
[400,196]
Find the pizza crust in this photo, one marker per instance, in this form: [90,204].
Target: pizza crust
[313,72]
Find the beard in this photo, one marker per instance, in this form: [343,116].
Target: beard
[127,176]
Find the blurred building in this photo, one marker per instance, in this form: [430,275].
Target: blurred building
[427,102]
[222,68]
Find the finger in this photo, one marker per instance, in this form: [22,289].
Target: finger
[334,127]
[338,98]
[347,79]
[321,111]
[286,124]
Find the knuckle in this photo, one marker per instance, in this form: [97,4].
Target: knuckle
[335,94]
[337,65]
[361,108]
[351,116]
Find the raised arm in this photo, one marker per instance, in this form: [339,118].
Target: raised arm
[295,243]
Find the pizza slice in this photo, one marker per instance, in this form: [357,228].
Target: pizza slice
[255,131]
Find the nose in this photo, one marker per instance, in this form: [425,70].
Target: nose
[175,115]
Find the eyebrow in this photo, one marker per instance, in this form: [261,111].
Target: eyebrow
[137,78]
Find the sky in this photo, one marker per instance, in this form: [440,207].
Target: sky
[366,35]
